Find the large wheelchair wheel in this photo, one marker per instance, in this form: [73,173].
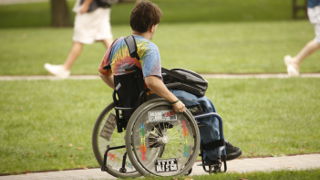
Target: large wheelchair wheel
[154,127]
[101,141]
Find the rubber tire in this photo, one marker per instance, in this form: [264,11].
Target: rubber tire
[149,105]
[95,146]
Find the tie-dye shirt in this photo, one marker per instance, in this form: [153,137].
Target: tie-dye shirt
[118,58]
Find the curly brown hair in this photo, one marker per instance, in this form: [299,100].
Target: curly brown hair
[144,15]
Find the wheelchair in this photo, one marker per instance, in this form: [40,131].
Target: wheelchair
[137,135]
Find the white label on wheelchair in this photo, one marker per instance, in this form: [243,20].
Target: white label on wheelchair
[161,116]
[166,165]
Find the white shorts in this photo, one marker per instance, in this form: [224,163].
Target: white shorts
[317,32]
[93,26]
[314,17]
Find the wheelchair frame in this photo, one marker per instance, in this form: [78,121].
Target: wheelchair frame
[132,113]
[122,171]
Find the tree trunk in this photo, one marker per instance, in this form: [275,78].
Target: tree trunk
[299,9]
[60,16]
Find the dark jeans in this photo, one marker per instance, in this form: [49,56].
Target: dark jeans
[209,126]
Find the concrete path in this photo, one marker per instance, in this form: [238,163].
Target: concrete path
[226,76]
[298,162]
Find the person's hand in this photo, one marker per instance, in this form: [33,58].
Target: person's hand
[84,8]
[179,107]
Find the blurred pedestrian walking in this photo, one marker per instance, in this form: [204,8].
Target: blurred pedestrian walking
[92,23]
[293,63]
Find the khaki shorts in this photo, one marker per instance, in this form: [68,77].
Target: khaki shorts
[93,26]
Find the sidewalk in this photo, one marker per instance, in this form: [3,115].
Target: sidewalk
[298,162]
[207,76]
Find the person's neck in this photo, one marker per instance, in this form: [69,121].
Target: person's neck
[147,35]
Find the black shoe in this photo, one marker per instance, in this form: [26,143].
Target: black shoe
[232,151]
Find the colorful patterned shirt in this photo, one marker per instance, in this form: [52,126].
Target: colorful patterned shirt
[118,58]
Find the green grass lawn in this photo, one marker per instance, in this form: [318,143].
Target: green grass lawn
[175,11]
[46,125]
[208,36]
[244,47]
[269,116]
[277,175]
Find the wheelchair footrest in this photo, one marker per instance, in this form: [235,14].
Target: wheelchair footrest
[215,167]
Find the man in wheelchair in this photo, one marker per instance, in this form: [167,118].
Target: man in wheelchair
[120,61]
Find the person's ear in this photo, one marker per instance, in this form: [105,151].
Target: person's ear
[153,28]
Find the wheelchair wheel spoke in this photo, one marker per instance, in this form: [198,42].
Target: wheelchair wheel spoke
[171,140]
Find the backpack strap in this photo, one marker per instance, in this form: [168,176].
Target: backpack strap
[132,46]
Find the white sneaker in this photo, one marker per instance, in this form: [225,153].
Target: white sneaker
[291,69]
[57,70]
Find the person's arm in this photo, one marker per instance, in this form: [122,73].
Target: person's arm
[85,6]
[156,85]
[107,77]
[104,72]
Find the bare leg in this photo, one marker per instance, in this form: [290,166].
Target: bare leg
[307,50]
[73,55]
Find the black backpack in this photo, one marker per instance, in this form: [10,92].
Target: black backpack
[186,80]
[176,79]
